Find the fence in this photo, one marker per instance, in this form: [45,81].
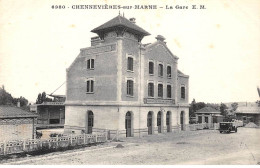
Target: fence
[194,127]
[30,145]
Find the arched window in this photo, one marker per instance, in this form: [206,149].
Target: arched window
[160,90]
[151,68]
[169,91]
[130,88]
[183,92]
[150,90]
[169,71]
[130,64]
[160,70]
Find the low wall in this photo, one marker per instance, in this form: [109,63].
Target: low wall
[30,145]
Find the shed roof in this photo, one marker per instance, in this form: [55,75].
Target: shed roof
[248,110]
[208,110]
[14,112]
[120,21]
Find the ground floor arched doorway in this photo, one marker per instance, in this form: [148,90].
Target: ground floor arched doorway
[150,122]
[182,120]
[168,121]
[90,122]
[128,124]
[159,121]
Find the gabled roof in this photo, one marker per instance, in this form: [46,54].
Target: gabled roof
[163,44]
[208,110]
[14,112]
[120,21]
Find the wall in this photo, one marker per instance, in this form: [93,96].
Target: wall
[17,128]
[104,72]
[183,81]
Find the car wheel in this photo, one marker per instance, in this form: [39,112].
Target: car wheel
[220,131]
[236,130]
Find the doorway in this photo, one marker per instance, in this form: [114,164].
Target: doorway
[150,122]
[90,121]
[128,124]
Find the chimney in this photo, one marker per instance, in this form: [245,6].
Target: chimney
[160,38]
[132,20]
[18,104]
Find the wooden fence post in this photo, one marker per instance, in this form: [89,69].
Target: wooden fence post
[96,138]
[5,148]
[84,138]
[24,142]
[57,139]
[116,135]
[71,139]
[106,134]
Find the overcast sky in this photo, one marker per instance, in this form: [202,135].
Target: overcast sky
[218,47]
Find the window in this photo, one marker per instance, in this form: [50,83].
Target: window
[183,92]
[90,86]
[150,90]
[160,90]
[130,64]
[169,91]
[160,70]
[169,71]
[90,64]
[130,87]
[151,68]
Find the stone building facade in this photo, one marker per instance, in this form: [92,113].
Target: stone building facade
[121,84]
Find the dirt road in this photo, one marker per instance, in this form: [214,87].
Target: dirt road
[189,147]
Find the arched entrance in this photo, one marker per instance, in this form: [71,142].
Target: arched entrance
[128,124]
[90,121]
[182,120]
[168,121]
[159,121]
[150,122]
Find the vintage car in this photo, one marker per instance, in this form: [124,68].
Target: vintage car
[227,127]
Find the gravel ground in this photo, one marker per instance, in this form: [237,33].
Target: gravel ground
[188,147]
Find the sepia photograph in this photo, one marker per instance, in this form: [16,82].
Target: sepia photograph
[129,82]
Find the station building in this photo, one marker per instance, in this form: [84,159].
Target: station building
[121,84]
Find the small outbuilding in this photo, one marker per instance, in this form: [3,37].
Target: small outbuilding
[16,124]
[249,114]
[208,115]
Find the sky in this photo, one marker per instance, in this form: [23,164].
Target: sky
[218,47]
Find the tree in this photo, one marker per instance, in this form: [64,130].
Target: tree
[5,97]
[223,109]
[195,106]
[39,99]
[43,96]
[234,106]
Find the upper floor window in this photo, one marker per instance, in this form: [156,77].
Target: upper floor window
[90,86]
[169,71]
[130,88]
[150,90]
[151,68]
[169,91]
[160,90]
[130,64]
[160,70]
[90,64]
[183,92]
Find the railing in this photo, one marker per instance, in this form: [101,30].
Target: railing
[194,127]
[30,145]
